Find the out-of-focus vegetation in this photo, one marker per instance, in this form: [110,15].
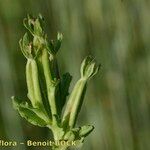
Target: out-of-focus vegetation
[117,32]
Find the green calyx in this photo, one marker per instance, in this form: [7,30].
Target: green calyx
[89,67]
[48,91]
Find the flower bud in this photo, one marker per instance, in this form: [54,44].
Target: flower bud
[89,67]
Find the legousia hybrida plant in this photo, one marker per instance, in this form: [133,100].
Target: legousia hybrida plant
[48,91]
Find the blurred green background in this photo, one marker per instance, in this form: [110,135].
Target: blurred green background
[117,33]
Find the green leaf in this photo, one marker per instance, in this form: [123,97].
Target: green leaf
[50,46]
[85,130]
[65,83]
[32,115]
[54,46]
[78,134]
[58,42]
[70,136]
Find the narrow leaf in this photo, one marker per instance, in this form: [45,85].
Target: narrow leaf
[65,83]
[85,130]
[30,114]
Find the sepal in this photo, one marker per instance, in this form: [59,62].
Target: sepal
[34,25]
[89,67]
[26,46]
[54,46]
